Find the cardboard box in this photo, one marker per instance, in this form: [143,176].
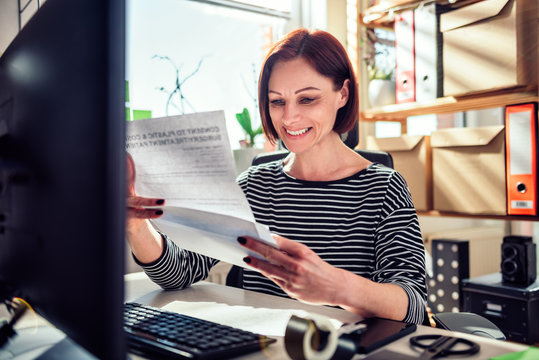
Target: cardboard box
[484,242]
[489,45]
[413,160]
[469,170]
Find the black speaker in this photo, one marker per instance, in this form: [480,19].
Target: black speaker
[518,260]
[451,264]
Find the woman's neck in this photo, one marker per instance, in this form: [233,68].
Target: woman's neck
[330,161]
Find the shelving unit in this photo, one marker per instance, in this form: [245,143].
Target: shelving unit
[485,217]
[382,16]
[447,105]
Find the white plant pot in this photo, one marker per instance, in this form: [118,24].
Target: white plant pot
[243,158]
[381,92]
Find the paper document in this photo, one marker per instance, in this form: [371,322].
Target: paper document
[187,160]
[269,322]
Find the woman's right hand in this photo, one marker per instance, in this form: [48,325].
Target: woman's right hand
[136,205]
[145,242]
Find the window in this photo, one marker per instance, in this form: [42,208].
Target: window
[217,51]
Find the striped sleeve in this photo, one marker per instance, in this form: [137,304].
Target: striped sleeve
[177,268]
[399,248]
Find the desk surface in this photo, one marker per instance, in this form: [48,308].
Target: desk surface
[140,289]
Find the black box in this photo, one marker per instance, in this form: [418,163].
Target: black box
[514,309]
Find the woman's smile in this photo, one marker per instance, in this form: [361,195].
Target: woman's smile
[298,132]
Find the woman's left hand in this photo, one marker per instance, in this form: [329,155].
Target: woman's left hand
[298,270]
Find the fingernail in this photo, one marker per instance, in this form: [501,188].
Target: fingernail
[242,240]
[160,202]
[158,212]
[247,260]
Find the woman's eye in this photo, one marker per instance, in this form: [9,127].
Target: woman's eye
[277,102]
[306,100]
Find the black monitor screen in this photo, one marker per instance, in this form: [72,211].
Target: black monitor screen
[62,164]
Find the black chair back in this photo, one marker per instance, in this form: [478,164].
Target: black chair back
[378,156]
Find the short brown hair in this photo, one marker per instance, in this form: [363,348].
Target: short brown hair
[328,57]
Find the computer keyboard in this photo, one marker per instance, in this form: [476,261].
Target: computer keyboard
[153,331]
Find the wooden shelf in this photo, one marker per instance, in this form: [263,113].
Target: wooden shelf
[447,105]
[436,213]
[381,14]
[377,15]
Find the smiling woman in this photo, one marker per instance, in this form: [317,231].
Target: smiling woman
[346,228]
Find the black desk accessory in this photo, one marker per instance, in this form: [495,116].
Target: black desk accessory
[469,323]
[380,332]
[437,346]
[519,260]
[512,308]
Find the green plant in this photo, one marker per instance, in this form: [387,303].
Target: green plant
[376,48]
[178,85]
[244,119]
[376,73]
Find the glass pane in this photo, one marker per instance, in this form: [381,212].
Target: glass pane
[387,129]
[214,53]
[280,5]
[426,124]
[421,124]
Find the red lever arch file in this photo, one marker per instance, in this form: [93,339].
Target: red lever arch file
[521,158]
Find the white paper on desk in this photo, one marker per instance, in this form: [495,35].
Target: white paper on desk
[269,322]
[187,160]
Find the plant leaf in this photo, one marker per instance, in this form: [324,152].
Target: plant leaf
[244,119]
[259,131]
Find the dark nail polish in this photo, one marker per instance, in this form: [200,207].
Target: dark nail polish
[158,212]
[242,240]
[160,202]
[247,260]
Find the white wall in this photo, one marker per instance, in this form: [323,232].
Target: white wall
[9,22]
[336,19]
[9,19]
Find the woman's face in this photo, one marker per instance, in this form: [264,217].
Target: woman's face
[303,104]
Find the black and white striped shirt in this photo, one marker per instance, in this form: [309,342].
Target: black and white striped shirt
[365,223]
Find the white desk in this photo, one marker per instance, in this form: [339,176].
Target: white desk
[140,289]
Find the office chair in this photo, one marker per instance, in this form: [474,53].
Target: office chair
[463,322]
[378,156]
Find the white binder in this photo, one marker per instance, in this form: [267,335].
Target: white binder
[428,53]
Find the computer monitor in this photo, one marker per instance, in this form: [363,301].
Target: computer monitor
[62,163]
